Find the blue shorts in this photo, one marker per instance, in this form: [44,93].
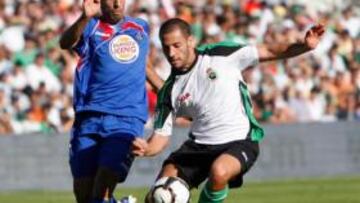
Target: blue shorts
[102,140]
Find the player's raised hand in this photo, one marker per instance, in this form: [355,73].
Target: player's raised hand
[313,36]
[139,147]
[91,8]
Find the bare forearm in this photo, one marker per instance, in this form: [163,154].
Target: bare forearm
[291,50]
[153,78]
[72,35]
[156,144]
[283,51]
[153,151]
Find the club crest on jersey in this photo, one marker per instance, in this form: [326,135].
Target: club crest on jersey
[211,74]
[124,49]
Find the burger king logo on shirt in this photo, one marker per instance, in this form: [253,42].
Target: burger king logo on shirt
[124,49]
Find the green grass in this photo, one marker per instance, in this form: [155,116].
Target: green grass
[329,190]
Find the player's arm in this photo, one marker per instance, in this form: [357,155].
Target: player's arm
[159,139]
[152,77]
[72,35]
[163,126]
[279,50]
[153,146]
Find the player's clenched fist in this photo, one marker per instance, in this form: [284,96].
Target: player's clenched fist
[91,8]
[313,36]
[139,147]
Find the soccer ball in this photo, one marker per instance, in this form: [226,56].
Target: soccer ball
[169,190]
[127,199]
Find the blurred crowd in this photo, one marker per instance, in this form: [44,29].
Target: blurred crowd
[36,76]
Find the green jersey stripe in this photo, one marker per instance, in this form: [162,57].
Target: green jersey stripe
[256,131]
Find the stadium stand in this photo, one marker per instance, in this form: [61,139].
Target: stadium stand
[323,86]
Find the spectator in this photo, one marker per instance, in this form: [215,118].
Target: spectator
[38,73]
[30,30]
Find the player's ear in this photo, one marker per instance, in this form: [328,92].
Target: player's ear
[192,41]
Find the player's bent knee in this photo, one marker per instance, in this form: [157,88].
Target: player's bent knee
[219,174]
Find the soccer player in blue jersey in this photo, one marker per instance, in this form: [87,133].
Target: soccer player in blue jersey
[109,96]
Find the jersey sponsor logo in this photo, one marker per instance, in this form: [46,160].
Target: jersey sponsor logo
[124,49]
[184,99]
[211,74]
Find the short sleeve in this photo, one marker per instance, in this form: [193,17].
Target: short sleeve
[238,55]
[81,47]
[166,126]
[245,57]
[147,28]
[164,115]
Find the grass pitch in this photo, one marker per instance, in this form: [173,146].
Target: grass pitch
[325,190]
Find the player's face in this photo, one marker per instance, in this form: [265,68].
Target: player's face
[113,10]
[179,49]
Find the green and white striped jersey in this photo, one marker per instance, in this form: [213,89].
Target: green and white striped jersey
[210,94]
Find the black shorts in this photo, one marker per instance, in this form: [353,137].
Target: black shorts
[194,161]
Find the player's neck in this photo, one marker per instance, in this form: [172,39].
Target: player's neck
[111,21]
[191,63]
[192,60]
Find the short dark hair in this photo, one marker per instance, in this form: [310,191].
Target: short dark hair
[173,24]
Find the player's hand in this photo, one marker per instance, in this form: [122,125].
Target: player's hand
[139,147]
[313,36]
[91,8]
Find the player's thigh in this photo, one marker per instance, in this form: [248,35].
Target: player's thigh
[245,151]
[191,162]
[115,157]
[236,160]
[224,168]
[114,164]
[83,156]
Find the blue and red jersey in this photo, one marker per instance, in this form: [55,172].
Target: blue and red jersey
[110,76]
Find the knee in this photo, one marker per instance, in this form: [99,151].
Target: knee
[169,170]
[219,175]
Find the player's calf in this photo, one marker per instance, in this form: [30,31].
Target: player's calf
[104,185]
[83,189]
[208,195]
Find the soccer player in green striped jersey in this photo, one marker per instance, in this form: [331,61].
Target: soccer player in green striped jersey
[206,85]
